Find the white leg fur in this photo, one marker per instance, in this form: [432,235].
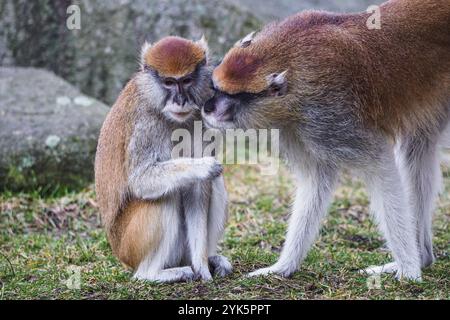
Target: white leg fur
[196,204]
[217,214]
[169,253]
[314,193]
[389,204]
[419,160]
[217,217]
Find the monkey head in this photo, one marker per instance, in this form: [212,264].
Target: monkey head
[175,76]
[250,88]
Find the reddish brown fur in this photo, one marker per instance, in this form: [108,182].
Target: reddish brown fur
[238,72]
[110,166]
[398,77]
[139,228]
[174,56]
[132,226]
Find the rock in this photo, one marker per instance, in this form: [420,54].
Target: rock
[48,131]
[276,9]
[101,56]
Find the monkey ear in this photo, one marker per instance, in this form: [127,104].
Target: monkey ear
[277,84]
[203,43]
[246,41]
[144,50]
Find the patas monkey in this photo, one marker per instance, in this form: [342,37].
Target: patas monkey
[344,96]
[163,216]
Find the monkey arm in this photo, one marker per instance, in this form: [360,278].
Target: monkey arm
[152,180]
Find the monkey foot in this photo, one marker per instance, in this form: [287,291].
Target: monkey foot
[273,270]
[220,265]
[392,268]
[181,274]
[386,268]
[203,274]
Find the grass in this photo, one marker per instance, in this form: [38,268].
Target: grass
[41,239]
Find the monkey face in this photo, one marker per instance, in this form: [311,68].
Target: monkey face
[176,77]
[180,96]
[244,109]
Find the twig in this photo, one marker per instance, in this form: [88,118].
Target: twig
[10,264]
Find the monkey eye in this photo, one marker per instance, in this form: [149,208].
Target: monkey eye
[187,81]
[169,82]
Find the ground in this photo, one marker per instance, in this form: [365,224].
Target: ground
[46,241]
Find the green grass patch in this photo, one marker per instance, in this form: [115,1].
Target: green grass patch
[44,241]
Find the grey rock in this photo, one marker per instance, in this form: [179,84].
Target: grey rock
[276,9]
[47,139]
[101,56]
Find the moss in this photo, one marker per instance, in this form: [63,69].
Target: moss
[68,166]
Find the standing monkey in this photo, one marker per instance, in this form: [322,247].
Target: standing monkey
[161,213]
[344,96]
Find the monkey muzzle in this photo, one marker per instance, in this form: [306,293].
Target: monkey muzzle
[178,112]
[219,111]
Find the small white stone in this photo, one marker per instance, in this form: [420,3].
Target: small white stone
[83,101]
[63,101]
[52,141]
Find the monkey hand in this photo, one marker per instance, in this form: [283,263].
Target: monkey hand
[213,166]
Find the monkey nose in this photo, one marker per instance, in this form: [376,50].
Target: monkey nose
[180,100]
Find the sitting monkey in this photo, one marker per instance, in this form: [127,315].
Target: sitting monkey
[161,213]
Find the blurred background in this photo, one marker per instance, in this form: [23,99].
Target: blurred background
[57,84]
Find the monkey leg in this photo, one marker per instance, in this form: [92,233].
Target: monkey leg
[424,179]
[151,241]
[395,217]
[314,191]
[138,231]
[195,204]
[217,218]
